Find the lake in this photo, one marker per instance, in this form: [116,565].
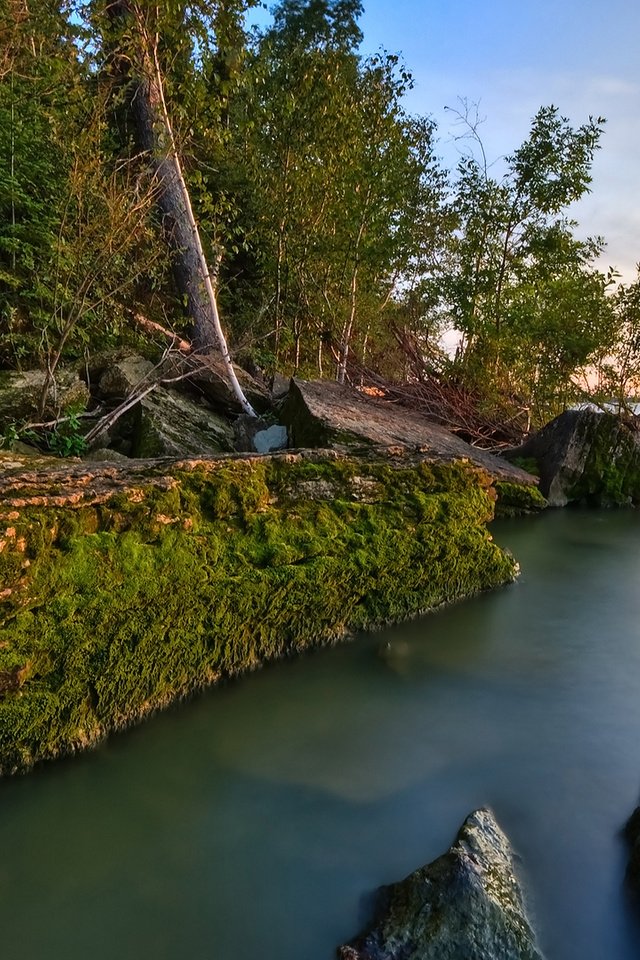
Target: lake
[253,822]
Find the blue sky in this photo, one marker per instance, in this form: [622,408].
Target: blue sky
[513,56]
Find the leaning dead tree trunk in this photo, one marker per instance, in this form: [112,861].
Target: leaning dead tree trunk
[155,133]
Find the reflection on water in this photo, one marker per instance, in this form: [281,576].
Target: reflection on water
[252,823]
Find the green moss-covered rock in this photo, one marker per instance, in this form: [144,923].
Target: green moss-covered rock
[466,905]
[585,456]
[124,588]
[514,499]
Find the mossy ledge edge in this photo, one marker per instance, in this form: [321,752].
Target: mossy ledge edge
[122,591]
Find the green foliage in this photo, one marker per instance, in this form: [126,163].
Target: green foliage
[17,433]
[67,439]
[336,234]
[345,189]
[532,308]
[231,567]
[619,368]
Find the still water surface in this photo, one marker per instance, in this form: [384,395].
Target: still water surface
[252,823]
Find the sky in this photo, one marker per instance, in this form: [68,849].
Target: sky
[514,56]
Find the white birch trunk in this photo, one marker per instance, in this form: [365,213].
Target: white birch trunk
[156,135]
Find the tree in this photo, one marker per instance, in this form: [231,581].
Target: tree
[76,235]
[619,367]
[39,86]
[524,293]
[344,183]
[137,35]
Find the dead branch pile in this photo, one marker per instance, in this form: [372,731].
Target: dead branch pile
[430,387]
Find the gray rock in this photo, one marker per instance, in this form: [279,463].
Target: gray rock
[168,424]
[466,905]
[104,454]
[280,387]
[26,449]
[20,394]
[324,414]
[587,456]
[123,376]
[207,376]
[274,438]
[255,435]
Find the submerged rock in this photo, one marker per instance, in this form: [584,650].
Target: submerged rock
[466,905]
[632,836]
[584,455]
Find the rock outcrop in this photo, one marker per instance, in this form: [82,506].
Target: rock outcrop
[466,905]
[584,456]
[125,585]
[328,415]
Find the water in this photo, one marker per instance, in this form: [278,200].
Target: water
[252,823]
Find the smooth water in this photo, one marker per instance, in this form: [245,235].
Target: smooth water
[252,823]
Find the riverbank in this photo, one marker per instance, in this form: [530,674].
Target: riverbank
[125,587]
[259,816]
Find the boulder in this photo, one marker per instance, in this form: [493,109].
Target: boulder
[271,438]
[123,376]
[466,905]
[584,456]
[20,394]
[208,377]
[327,415]
[255,435]
[167,424]
[632,836]
[104,455]
[93,367]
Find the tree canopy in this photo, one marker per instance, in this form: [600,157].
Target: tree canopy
[338,243]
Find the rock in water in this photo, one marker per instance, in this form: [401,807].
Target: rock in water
[584,455]
[632,836]
[466,905]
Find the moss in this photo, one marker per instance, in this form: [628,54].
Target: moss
[530,464]
[515,499]
[117,610]
[611,473]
